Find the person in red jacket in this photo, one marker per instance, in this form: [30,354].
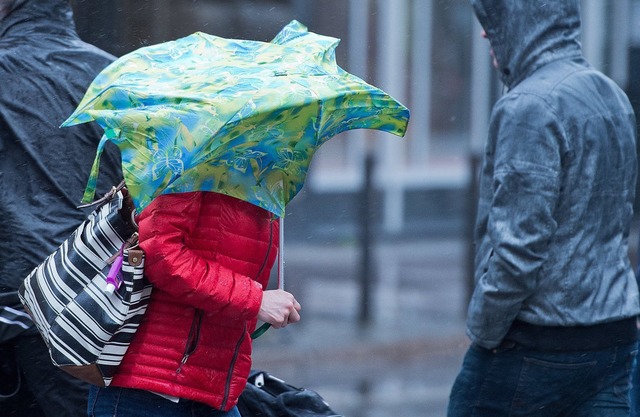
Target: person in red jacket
[209,258]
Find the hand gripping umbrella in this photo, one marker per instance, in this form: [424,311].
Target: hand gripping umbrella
[237,117]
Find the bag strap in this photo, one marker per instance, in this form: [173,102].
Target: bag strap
[90,190]
[105,198]
[128,209]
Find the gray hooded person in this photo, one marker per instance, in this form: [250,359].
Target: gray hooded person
[552,318]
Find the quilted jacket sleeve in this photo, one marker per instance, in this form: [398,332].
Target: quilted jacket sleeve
[175,267]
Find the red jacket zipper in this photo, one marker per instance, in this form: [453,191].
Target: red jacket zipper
[227,384]
[193,339]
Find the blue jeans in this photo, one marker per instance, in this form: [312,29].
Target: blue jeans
[124,402]
[515,381]
[634,394]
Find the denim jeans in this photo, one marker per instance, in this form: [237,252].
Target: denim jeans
[124,402]
[634,394]
[515,381]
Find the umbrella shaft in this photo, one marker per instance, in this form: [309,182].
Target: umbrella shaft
[281,255]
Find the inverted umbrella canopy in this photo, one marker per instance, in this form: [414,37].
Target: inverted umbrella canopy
[238,117]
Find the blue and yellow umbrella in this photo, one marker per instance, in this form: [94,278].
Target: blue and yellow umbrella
[238,117]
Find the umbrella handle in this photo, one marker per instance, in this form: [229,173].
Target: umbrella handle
[260,331]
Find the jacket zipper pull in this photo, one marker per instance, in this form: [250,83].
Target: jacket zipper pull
[185,357]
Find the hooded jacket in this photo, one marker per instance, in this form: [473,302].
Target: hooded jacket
[44,71]
[208,256]
[557,183]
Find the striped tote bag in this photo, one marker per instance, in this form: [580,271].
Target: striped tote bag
[88,298]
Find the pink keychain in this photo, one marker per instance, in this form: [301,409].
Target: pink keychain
[114,277]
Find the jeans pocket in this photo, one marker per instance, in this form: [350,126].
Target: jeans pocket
[549,385]
[623,385]
[103,402]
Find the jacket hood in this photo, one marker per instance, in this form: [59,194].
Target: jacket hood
[526,34]
[51,16]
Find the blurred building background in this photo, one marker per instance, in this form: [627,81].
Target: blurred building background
[380,234]
[426,53]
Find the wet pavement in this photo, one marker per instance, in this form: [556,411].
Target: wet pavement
[403,363]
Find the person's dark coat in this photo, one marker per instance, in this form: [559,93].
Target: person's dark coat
[45,70]
[558,181]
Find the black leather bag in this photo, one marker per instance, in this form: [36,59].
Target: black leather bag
[268,396]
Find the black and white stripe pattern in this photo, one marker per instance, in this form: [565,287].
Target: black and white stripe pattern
[81,323]
[13,322]
[13,317]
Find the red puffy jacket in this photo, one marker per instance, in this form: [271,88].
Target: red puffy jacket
[208,256]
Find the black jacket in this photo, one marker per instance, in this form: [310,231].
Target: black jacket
[44,71]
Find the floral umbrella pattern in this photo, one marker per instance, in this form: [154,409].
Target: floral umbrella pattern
[238,117]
